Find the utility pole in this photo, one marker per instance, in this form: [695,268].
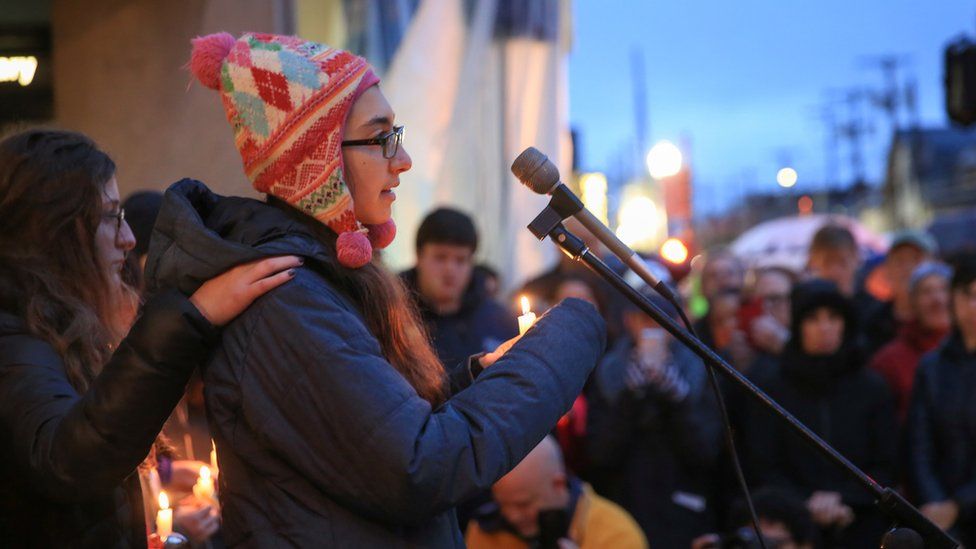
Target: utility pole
[638,80]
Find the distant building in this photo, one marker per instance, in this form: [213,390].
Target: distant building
[931,183]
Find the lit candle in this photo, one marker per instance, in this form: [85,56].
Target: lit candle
[204,488]
[527,319]
[164,518]
[213,455]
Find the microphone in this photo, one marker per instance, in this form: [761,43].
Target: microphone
[539,174]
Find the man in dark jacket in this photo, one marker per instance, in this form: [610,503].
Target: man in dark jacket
[821,379]
[321,441]
[460,317]
[654,431]
[942,419]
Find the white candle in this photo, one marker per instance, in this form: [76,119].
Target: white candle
[164,518]
[527,319]
[204,488]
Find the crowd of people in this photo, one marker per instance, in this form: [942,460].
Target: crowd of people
[146,345]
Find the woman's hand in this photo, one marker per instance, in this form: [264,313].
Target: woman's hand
[197,519]
[491,357]
[227,295]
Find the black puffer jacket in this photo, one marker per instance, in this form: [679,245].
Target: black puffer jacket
[942,432]
[68,461]
[321,442]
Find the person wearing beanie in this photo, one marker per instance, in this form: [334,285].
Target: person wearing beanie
[928,289]
[335,423]
[654,431]
[820,378]
[942,417]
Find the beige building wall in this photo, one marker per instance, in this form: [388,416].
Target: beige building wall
[120,77]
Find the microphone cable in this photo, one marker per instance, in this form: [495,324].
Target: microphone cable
[727,423]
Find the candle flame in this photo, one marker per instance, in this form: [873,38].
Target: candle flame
[204,473]
[525,305]
[163,500]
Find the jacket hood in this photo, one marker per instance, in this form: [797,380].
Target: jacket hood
[200,234]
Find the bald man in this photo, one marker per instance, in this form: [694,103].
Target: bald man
[539,486]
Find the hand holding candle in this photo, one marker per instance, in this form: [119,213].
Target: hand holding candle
[164,517]
[527,318]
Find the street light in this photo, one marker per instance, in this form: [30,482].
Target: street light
[664,160]
[786,177]
[674,251]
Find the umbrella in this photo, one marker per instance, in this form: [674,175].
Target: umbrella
[784,242]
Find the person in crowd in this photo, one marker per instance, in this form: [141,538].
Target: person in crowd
[654,430]
[334,420]
[768,325]
[460,317]
[897,361]
[784,522]
[942,418]
[538,504]
[834,256]
[722,281]
[81,403]
[821,379]
[908,250]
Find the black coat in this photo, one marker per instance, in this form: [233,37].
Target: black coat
[942,432]
[848,406]
[320,441]
[68,464]
[480,325]
[655,456]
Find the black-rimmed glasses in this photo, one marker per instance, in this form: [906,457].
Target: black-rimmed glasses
[390,141]
[119,218]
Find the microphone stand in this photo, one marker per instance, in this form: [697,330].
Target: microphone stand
[912,529]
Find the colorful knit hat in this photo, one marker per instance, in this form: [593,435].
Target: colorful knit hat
[287,100]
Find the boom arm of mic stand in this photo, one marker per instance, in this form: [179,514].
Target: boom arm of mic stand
[888,501]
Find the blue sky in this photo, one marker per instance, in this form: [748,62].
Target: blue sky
[740,81]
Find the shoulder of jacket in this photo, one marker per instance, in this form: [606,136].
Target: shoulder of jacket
[25,348]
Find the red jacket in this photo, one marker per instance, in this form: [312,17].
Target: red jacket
[898,360]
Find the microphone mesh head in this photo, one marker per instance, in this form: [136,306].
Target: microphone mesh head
[535,171]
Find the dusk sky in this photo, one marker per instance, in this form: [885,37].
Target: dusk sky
[740,82]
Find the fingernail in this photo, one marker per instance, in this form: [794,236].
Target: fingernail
[291,272]
[301,260]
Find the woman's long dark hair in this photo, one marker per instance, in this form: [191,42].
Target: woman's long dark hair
[390,314]
[51,190]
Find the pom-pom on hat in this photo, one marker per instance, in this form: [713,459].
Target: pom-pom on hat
[287,100]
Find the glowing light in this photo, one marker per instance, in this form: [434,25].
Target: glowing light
[18,69]
[525,305]
[786,177]
[674,250]
[594,190]
[163,500]
[664,160]
[637,220]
